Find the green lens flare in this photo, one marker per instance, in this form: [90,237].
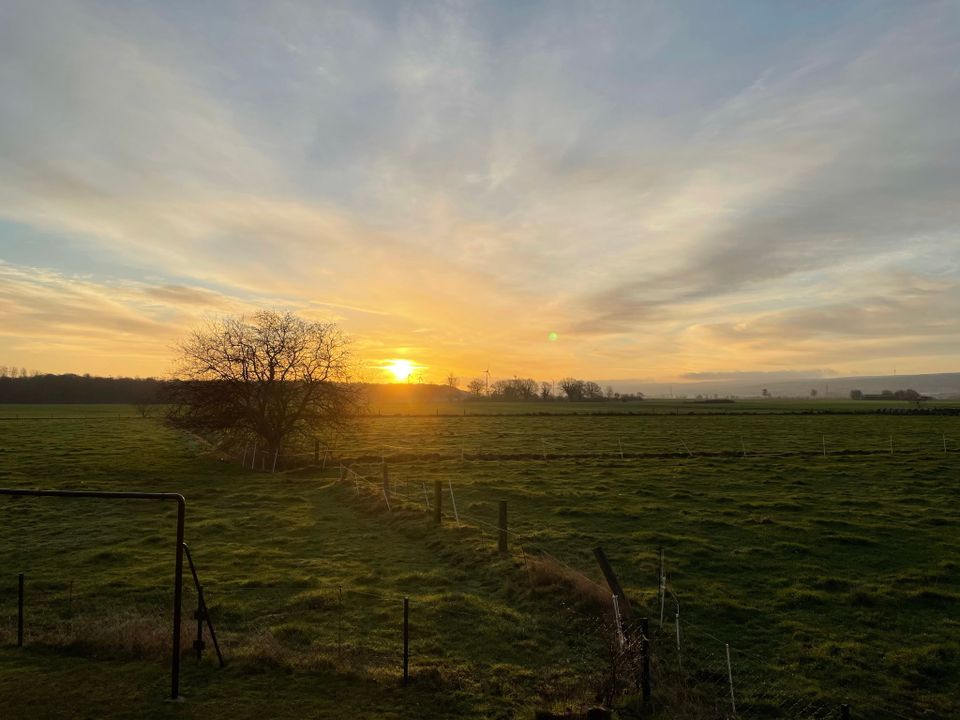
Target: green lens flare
[552,337]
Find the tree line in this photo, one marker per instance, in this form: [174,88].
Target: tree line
[908,394]
[527,389]
[72,388]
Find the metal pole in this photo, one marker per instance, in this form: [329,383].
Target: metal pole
[177,602]
[339,620]
[679,654]
[733,701]
[198,643]
[645,657]
[453,501]
[406,640]
[20,610]
[616,616]
[178,572]
[663,587]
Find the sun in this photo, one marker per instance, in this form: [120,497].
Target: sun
[401,369]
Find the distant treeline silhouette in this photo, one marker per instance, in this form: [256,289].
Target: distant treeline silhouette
[79,389]
[89,389]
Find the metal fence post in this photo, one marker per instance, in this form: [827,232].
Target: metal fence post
[406,640]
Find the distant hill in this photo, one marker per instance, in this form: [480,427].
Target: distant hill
[936,385]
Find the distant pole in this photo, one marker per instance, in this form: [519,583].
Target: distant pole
[386,482]
[20,610]
[437,502]
[824,440]
[743,446]
[426,498]
[891,443]
[944,442]
[502,542]
[406,640]
[620,443]
[276,453]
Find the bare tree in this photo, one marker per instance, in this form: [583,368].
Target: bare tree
[592,391]
[270,377]
[453,382]
[546,390]
[572,388]
[476,387]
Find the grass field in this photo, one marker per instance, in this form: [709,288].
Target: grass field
[833,578]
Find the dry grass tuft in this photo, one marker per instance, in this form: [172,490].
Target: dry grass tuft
[546,571]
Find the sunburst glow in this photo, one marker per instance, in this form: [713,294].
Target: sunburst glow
[400,369]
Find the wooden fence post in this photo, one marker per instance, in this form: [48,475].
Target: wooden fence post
[612,582]
[502,540]
[437,502]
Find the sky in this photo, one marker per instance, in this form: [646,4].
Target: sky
[653,191]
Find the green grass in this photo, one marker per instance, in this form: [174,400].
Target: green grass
[651,407]
[835,577]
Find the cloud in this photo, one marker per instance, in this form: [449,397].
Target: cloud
[672,189]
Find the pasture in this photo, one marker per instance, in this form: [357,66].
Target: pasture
[823,548]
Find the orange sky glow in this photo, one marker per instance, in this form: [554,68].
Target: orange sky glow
[773,191]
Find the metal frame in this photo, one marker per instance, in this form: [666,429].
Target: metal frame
[178,571]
